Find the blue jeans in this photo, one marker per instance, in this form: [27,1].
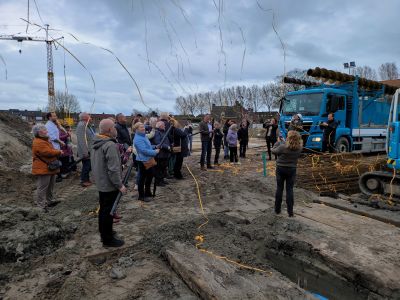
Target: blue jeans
[226,148]
[283,174]
[206,147]
[86,168]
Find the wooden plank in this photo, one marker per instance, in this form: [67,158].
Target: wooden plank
[214,278]
[380,215]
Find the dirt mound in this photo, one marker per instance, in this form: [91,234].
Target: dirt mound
[74,288]
[15,142]
[26,232]
[17,187]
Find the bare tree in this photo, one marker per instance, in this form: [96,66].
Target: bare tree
[181,106]
[366,72]
[254,97]
[388,71]
[240,96]
[65,104]
[267,97]
[288,87]
[192,105]
[254,100]
[230,96]
[202,104]
[208,99]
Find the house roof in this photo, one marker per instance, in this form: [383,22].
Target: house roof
[393,82]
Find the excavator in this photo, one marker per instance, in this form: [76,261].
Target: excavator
[387,182]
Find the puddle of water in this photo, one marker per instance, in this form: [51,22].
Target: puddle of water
[314,279]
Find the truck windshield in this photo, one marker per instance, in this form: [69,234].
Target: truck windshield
[305,104]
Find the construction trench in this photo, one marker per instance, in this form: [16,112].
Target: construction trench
[237,248]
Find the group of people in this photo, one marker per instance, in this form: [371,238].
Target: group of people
[158,146]
[328,128]
[227,139]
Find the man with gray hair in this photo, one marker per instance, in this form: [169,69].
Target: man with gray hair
[44,154]
[85,135]
[106,165]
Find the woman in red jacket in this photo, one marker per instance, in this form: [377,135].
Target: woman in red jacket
[43,153]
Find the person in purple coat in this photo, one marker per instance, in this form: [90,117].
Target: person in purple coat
[232,139]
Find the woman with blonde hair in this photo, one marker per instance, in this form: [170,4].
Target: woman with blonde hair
[288,153]
[145,153]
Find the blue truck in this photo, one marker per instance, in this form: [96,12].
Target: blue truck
[361,108]
[387,182]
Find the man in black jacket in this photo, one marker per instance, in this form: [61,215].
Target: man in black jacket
[271,135]
[180,148]
[243,137]
[123,136]
[225,129]
[328,140]
[218,136]
[164,154]
[206,135]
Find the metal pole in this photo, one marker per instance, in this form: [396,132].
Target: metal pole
[264,159]
[50,74]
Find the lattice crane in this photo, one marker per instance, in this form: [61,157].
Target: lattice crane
[49,47]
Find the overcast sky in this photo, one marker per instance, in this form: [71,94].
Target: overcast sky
[184,46]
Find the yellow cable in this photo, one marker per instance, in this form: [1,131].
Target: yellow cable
[200,238]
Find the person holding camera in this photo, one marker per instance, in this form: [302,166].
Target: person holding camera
[44,166]
[288,153]
[218,136]
[271,135]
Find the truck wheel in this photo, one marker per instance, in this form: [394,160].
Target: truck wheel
[342,145]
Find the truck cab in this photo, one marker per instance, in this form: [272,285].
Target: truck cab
[314,106]
[361,116]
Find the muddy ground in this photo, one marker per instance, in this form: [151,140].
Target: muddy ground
[58,255]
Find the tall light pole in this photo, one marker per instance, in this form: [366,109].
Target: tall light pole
[349,65]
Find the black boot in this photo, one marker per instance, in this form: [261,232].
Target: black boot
[113,243]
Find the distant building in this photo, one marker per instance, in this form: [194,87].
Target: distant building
[185,118]
[393,82]
[30,116]
[264,116]
[96,118]
[236,113]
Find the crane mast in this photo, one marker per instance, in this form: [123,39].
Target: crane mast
[50,73]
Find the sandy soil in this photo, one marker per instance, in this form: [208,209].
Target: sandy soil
[59,255]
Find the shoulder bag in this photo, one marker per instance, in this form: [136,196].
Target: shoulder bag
[150,163]
[51,166]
